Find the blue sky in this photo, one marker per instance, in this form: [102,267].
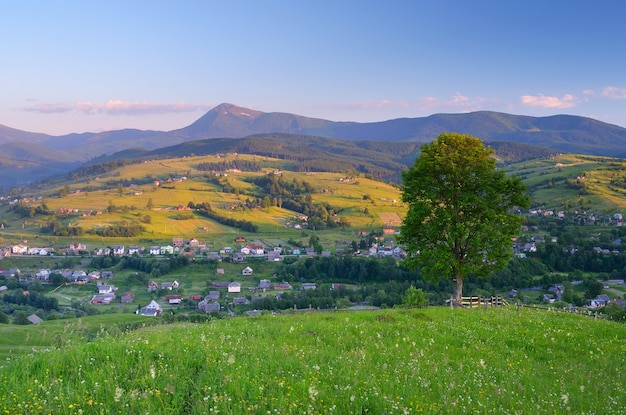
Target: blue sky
[75,66]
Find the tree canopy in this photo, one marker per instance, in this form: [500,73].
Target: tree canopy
[460,220]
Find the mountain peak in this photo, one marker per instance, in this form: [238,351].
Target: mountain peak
[230,109]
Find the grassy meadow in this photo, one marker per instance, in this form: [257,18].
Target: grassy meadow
[596,183]
[429,361]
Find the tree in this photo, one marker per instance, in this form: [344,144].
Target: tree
[459,221]
[414,297]
[21,318]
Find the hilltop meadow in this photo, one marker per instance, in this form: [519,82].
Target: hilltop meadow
[423,361]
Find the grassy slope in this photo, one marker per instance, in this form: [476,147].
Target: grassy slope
[603,181]
[396,361]
[18,341]
[164,226]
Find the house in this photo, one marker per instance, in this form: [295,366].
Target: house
[253,313]
[118,250]
[165,250]
[153,286]
[241,301]
[20,249]
[240,239]
[309,286]
[169,285]
[79,275]
[282,286]
[105,288]
[76,247]
[238,257]
[219,271]
[296,251]
[177,241]
[273,256]
[264,285]
[12,272]
[234,287]
[133,250]
[388,230]
[43,274]
[155,250]
[213,296]
[127,298]
[103,299]
[34,319]
[209,306]
[246,271]
[257,250]
[3,288]
[94,275]
[220,284]
[600,301]
[194,243]
[153,309]
[173,299]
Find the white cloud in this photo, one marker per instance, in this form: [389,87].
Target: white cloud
[612,92]
[458,102]
[117,107]
[567,101]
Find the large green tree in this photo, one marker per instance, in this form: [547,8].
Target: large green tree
[460,220]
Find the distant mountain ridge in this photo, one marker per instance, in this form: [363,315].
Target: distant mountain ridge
[564,133]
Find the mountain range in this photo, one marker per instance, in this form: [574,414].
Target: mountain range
[39,156]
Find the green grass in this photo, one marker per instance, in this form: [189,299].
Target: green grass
[19,341]
[433,361]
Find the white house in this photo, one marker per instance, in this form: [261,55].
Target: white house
[133,250]
[20,249]
[168,249]
[247,271]
[118,250]
[234,287]
[153,309]
[155,250]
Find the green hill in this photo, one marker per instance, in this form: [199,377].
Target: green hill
[123,193]
[433,361]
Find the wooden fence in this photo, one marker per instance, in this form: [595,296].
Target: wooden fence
[475,302]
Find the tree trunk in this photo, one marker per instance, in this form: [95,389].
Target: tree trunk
[457,292]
